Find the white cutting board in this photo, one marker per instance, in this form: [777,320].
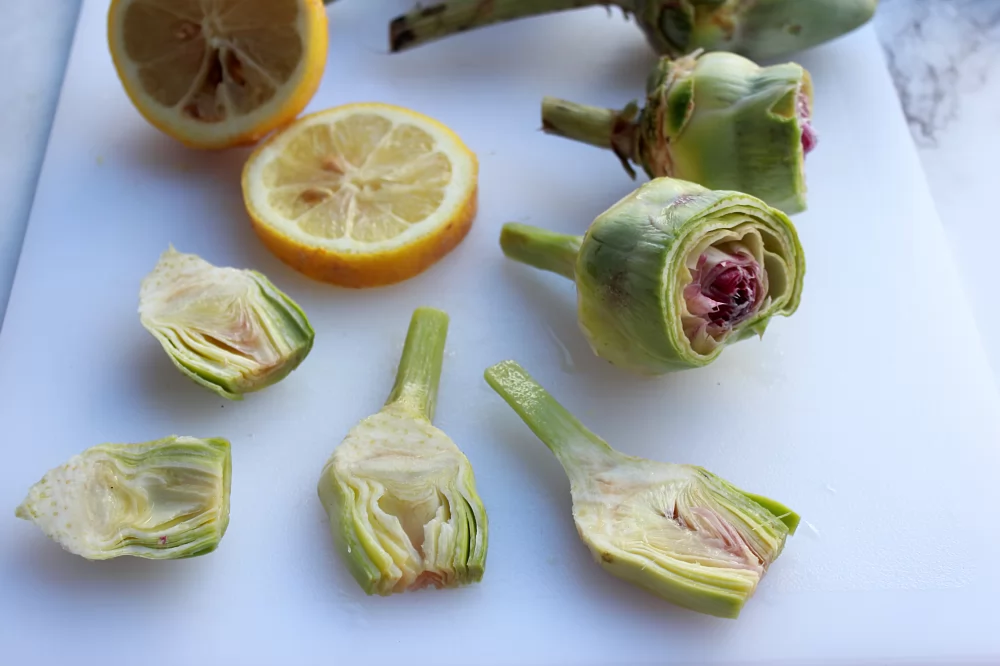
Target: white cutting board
[871,411]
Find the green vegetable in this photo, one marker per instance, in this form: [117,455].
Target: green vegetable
[757,29]
[679,531]
[672,273]
[715,119]
[162,500]
[230,330]
[400,495]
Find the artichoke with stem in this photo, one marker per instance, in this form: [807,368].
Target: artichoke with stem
[715,119]
[677,530]
[163,500]
[400,495]
[673,273]
[757,29]
[230,330]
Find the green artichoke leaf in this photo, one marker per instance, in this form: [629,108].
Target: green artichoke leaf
[676,530]
[163,500]
[230,330]
[673,273]
[400,495]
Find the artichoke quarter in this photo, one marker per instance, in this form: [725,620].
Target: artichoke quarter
[673,273]
[715,119]
[230,330]
[400,495]
[755,28]
[162,500]
[679,531]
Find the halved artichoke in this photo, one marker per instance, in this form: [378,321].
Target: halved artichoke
[679,531]
[230,330]
[162,500]
[400,495]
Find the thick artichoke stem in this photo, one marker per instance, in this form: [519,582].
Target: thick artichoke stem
[426,24]
[419,370]
[579,122]
[540,248]
[578,449]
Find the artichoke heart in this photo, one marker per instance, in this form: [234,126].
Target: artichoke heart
[716,119]
[400,495]
[163,500]
[230,330]
[679,531]
[673,273]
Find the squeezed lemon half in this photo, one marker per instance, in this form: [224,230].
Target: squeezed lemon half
[218,73]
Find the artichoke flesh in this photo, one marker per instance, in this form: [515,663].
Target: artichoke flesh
[400,495]
[230,330]
[163,500]
[676,530]
[757,29]
[673,273]
[715,119]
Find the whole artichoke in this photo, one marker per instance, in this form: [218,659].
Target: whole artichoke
[754,28]
[716,119]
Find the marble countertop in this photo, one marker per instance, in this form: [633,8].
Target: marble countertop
[944,56]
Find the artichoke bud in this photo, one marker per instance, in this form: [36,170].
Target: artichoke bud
[400,495]
[230,330]
[755,28]
[677,530]
[673,273]
[163,500]
[715,119]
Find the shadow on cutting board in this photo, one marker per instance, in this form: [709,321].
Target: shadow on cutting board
[46,564]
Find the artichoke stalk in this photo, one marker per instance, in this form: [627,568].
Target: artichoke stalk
[678,531]
[673,273]
[758,29]
[230,330]
[163,500]
[715,119]
[400,495]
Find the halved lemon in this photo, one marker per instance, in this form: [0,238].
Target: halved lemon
[218,73]
[362,195]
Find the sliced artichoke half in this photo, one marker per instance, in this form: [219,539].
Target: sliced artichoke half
[677,530]
[230,330]
[400,495]
[163,500]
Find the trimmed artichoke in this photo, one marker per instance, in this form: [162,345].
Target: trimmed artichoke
[400,495]
[162,500]
[672,273]
[230,330]
[757,29]
[679,531]
[715,119]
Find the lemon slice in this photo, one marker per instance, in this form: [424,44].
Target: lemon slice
[218,73]
[362,195]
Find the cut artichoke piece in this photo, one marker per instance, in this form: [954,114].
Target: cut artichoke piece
[162,500]
[400,495]
[230,330]
[715,119]
[755,28]
[679,531]
[673,273]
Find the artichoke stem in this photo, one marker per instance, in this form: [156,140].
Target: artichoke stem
[540,248]
[426,24]
[578,449]
[419,372]
[579,122]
